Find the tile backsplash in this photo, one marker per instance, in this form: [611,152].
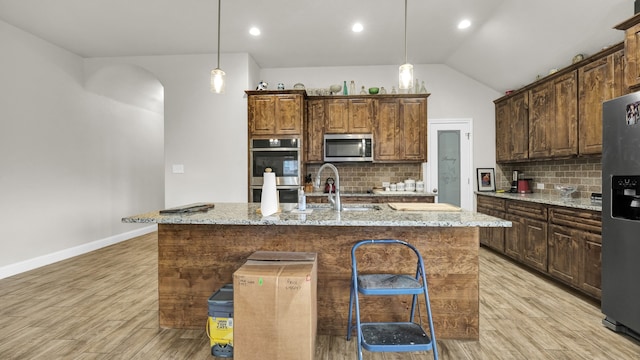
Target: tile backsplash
[586,173]
[360,177]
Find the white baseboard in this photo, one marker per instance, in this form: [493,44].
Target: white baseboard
[26,265]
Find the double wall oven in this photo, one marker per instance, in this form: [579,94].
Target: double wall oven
[283,157]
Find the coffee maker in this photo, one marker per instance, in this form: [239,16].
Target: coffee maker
[514,181]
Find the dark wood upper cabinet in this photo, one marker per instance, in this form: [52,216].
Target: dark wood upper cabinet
[273,113]
[553,118]
[512,128]
[349,116]
[599,81]
[631,27]
[398,124]
[561,115]
[400,131]
[314,144]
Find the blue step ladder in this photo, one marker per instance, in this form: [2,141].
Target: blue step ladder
[391,336]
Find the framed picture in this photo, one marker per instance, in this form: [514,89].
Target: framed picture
[486,179]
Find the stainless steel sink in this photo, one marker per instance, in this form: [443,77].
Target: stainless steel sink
[361,208]
[351,207]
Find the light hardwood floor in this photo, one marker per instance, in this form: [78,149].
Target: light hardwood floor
[103,305]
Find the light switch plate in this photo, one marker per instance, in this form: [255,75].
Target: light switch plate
[177,169]
[540,186]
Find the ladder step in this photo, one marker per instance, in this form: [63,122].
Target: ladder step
[387,284]
[398,336]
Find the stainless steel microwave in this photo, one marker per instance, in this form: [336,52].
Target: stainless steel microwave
[348,147]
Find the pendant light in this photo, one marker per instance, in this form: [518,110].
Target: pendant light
[406,70]
[217,75]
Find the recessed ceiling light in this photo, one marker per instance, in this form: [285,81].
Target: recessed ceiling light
[464,24]
[254,31]
[357,27]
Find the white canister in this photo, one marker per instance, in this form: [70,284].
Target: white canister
[420,186]
[410,185]
[269,198]
[400,186]
[392,187]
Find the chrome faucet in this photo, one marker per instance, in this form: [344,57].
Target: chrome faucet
[334,200]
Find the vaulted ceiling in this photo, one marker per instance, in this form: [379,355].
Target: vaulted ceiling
[509,43]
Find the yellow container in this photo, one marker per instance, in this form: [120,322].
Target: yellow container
[220,330]
[220,322]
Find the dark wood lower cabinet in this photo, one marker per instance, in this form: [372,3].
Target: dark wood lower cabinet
[535,244]
[591,279]
[575,258]
[575,248]
[492,237]
[564,255]
[527,242]
[567,245]
[513,237]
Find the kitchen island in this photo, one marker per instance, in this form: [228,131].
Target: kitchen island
[199,252]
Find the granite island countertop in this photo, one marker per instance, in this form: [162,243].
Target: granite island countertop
[556,200]
[322,215]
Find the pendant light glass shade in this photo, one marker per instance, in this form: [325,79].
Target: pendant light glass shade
[406,71]
[218,82]
[406,76]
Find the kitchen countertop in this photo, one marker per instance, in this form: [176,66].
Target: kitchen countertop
[556,200]
[322,215]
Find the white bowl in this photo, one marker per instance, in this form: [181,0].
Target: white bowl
[335,88]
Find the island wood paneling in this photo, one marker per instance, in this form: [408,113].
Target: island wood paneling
[196,260]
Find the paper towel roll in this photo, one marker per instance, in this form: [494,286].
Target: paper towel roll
[269,199]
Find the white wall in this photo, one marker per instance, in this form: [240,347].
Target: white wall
[204,132]
[453,95]
[72,163]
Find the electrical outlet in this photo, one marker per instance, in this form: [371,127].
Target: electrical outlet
[540,186]
[177,169]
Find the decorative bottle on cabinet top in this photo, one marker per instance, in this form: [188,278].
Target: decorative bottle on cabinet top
[344,88]
[423,89]
[352,88]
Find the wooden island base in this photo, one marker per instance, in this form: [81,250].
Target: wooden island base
[195,260]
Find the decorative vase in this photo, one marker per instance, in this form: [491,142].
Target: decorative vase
[423,89]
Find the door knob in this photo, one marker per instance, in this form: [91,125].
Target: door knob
[434,190]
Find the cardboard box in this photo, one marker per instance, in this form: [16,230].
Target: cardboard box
[275,306]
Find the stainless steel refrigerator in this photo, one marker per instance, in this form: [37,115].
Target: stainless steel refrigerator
[621,214]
